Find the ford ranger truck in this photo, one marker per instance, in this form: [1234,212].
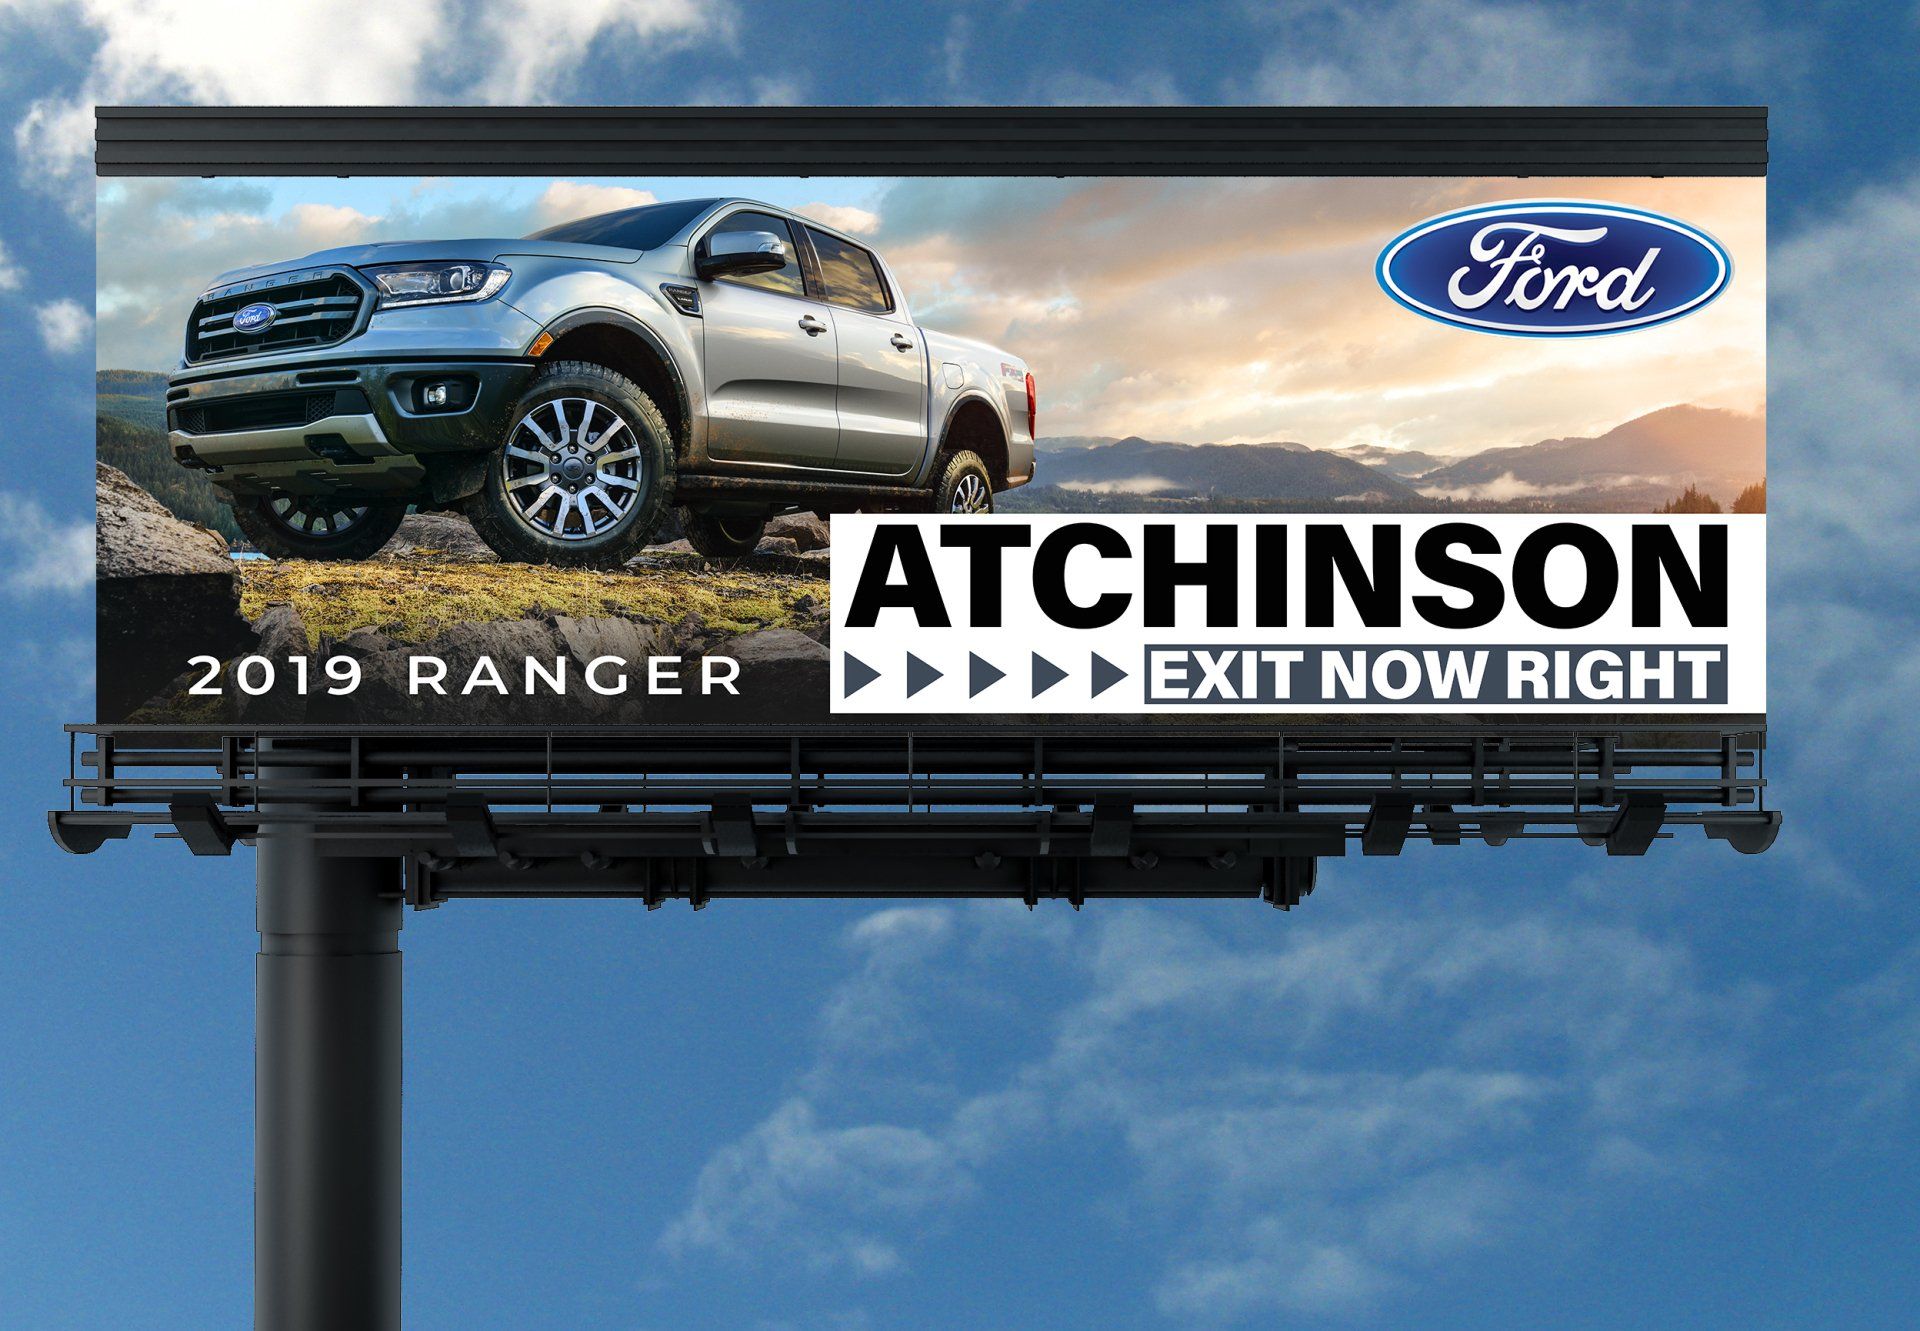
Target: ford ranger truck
[721,357]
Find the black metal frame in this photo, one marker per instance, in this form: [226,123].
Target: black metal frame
[697,815]
[923,140]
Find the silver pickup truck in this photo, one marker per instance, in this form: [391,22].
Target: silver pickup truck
[567,390]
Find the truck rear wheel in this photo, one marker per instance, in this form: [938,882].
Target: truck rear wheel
[584,476]
[965,485]
[317,526]
[722,538]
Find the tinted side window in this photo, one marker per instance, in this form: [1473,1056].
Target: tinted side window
[787,281]
[851,275]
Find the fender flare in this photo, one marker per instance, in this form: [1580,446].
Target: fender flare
[593,315]
[965,396]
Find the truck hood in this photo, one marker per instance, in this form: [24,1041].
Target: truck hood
[414,251]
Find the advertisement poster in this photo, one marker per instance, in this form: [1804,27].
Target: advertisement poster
[998,452]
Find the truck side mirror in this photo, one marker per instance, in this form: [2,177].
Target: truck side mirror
[740,254]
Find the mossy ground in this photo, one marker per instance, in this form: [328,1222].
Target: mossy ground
[412,600]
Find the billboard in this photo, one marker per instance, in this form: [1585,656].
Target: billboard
[1013,453]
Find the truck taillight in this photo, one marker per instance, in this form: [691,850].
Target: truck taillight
[1033,407]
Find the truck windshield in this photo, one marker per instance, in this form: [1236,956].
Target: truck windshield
[630,228]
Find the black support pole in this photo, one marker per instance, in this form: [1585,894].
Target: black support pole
[326,1198]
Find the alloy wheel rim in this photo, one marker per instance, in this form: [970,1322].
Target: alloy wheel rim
[971,496]
[317,515]
[573,470]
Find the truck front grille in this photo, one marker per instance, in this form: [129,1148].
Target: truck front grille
[267,411]
[311,309]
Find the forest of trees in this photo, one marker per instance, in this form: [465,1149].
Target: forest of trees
[1693,499]
[142,453]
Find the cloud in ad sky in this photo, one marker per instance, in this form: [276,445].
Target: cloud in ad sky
[1395,1093]
[1206,311]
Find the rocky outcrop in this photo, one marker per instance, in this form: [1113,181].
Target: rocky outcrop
[167,591]
[280,635]
[805,530]
[783,676]
[442,535]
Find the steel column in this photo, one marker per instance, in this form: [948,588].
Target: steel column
[327,1084]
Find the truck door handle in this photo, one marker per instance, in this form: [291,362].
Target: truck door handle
[813,326]
[901,341]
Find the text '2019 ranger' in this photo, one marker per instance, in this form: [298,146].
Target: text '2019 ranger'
[566,390]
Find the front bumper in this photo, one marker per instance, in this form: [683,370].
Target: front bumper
[345,427]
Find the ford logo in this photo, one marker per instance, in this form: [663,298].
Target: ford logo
[1553,269]
[253,318]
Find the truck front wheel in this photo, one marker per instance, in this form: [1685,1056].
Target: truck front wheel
[965,485]
[584,476]
[317,526]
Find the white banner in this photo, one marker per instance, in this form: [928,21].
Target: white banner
[1303,613]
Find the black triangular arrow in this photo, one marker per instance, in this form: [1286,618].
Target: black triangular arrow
[1045,674]
[856,675]
[1105,674]
[981,674]
[919,674]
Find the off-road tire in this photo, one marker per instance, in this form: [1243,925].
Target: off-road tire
[965,485]
[273,537]
[499,523]
[722,537]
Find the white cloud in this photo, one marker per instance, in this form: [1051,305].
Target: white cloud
[43,554]
[536,47]
[61,672]
[1403,1091]
[226,52]
[1441,52]
[566,200]
[65,324]
[757,1194]
[1881,1014]
[843,217]
[1845,356]
[10,274]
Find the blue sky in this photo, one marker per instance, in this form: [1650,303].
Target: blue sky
[1468,1088]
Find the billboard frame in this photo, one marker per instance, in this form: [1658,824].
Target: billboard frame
[354,824]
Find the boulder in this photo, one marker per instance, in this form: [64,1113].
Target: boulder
[777,547]
[445,535]
[806,530]
[281,635]
[167,591]
[783,675]
[586,639]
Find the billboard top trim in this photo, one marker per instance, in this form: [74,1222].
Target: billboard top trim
[899,141]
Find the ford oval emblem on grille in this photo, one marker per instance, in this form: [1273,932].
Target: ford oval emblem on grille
[253,318]
[1546,268]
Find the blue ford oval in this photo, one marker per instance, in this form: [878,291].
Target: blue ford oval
[253,318]
[1547,268]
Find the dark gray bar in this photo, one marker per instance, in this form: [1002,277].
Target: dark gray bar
[907,141]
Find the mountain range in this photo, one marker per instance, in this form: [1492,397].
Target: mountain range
[1633,467]
[1243,471]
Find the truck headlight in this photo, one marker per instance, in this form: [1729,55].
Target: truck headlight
[402,284]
